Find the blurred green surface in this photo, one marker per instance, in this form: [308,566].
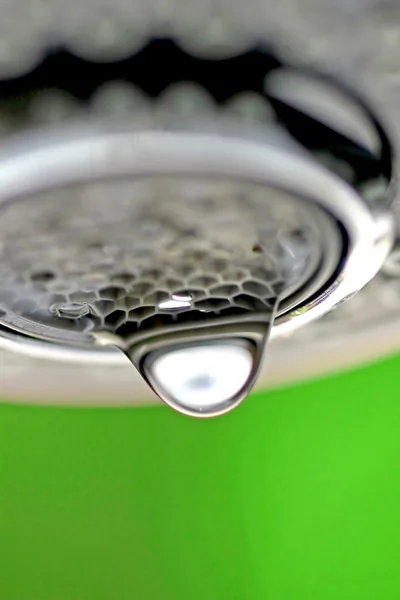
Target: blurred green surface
[295,495]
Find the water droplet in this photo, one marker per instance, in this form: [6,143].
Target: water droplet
[74,310]
[182,297]
[204,377]
[173,304]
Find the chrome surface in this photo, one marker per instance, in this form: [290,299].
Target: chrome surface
[170,245]
[108,238]
[28,161]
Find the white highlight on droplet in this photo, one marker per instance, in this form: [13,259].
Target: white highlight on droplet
[182,297]
[168,304]
[203,377]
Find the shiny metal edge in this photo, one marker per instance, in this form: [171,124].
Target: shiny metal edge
[39,162]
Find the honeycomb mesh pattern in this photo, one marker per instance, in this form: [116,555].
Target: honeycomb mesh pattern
[171,250]
[124,301]
[359,38]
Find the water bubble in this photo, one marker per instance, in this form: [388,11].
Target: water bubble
[73,310]
[205,378]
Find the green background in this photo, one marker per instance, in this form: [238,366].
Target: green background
[295,495]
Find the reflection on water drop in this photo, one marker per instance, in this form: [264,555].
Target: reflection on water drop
[182,297]
[173,304]
[74,310]
[177,301]
[203,377]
